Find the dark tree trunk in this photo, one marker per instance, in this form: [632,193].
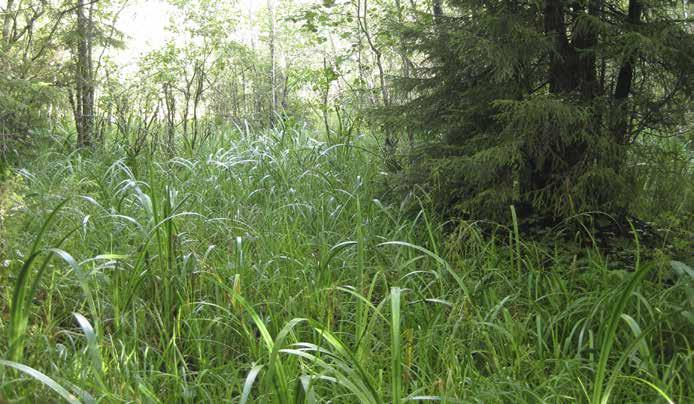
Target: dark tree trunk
[438,9]
[585,42]
[625,80]
[563,77]
[571,72]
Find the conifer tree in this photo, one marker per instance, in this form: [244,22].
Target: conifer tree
[539,104]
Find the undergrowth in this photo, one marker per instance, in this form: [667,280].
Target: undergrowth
[265,269]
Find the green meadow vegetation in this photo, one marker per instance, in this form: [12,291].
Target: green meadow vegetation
[265,268]
[346,201]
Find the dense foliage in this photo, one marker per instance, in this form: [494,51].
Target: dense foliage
[346,201]
[548,105]
[264,267]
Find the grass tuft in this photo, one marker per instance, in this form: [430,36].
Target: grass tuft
[265,268]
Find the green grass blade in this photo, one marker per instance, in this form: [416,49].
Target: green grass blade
[42,378]
[248,383]
[610,334]
[92,344]
[396,346]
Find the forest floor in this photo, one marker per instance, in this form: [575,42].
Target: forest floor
[265,269]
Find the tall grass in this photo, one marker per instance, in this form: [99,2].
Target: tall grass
[265,269]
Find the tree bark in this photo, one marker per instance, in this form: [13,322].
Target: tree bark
[585,42]
[377,53]
[84,95]
[563,76]
[391,142]
[625,80]
[186,91]
[437,7]
[7,22]
[170,102]
[197,97]
[273,72]
[405,68]
[324,104]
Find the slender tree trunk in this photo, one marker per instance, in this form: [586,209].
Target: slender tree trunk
[186,110]
[324,106]
[437,7]
[285,93]
[196,100]
[7,22]
[244,102]
[360,57]
[273,72]
[170,101]
[625,80]
[186,103]
[90,90]
[391,142]
[234,97]
[256,107]
[405,69]
[377,53]
[84,96]
[401,48]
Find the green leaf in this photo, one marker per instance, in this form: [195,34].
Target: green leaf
[47,381]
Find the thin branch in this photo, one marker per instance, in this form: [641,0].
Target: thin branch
[61,14]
